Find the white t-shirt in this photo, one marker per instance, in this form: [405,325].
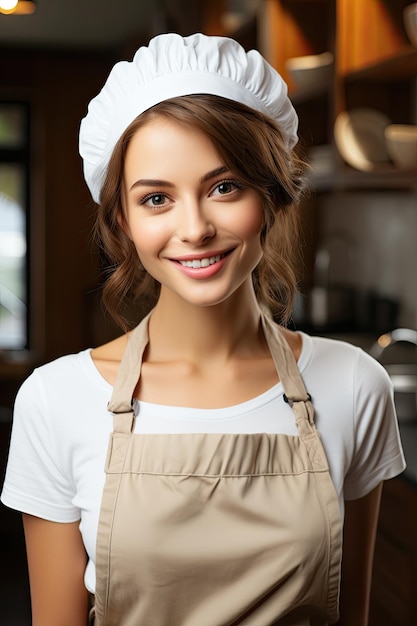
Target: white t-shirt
[61,428]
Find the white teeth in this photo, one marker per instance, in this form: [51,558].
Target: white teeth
[197,263]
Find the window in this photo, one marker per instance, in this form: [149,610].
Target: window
[14,211]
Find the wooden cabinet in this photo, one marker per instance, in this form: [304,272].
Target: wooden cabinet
[393,596]
[369,31]
[374,66]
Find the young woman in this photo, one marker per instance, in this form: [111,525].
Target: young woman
[221,497]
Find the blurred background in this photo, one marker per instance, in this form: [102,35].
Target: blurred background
[351,66]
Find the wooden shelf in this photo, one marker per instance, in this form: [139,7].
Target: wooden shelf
[349,179]
[289,29]
[368,31]
[375,67]
[401,66]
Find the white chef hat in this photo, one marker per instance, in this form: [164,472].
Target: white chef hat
[172,66]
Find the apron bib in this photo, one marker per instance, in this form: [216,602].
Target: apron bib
[217,529]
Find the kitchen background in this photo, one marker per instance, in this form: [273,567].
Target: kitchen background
[352,71]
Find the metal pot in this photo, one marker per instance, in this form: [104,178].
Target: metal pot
[403,375]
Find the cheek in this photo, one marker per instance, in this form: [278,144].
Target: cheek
[147,237]
[250,221]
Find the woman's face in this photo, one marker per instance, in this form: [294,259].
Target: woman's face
[195,226]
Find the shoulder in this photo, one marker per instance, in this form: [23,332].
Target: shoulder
[334,348]
[61,407]
[344,380]
[342,356]
[63,365]
[64,377]
[355,413]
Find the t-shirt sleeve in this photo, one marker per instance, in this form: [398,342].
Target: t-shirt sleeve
[35,482]
[377,453]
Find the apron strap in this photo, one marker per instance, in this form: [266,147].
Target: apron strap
[121,403]
[295,393]
[285,363]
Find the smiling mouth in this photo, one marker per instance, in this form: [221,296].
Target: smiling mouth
[205,262]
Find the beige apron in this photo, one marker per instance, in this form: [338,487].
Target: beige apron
[217,529]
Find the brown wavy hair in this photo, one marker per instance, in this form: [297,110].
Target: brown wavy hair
[251,145]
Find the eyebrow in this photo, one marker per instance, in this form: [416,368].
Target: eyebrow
[155,182]
[219,170]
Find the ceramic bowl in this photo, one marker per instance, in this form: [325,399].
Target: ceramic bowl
[359,137]
[311,71]
[401,144]
[410,22]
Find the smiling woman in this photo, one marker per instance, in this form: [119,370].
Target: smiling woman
[254,158]
[224,492]
[189,218]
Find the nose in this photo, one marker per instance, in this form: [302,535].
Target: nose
[195,225]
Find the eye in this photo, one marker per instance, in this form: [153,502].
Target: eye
[154,200]
[226,187]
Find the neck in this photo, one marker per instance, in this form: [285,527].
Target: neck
[180,330]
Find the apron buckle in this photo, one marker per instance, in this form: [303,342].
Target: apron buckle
[291,401]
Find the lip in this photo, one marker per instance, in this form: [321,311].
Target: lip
[202,255]
[202,273]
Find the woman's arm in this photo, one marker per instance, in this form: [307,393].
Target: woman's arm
[361,519]
[56,562]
